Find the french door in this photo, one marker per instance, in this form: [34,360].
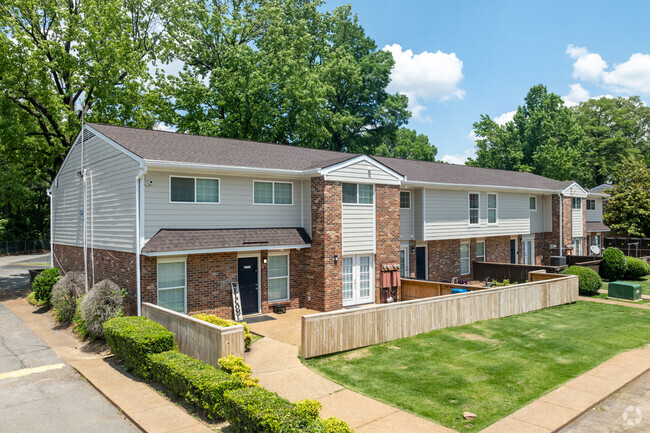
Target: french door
[358,279]
[528,247]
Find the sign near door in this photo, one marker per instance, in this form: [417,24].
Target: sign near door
[236,301]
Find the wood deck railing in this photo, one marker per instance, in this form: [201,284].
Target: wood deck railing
[418,289]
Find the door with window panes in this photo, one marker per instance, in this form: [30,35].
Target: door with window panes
[358,278]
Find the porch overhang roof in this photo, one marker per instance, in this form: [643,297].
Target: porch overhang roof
[171,242]
[597,227]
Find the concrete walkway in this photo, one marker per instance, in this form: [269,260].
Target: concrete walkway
[277,365]
[147,409]
[642,295]
[611,302]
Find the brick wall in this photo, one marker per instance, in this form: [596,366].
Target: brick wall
[497,249]
[388,229]
[443,260]
[323,281]
[412,262]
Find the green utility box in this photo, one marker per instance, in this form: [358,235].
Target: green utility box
[622,290]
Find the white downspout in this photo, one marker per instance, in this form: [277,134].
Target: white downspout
[143,171]
[49,194]
[561,224]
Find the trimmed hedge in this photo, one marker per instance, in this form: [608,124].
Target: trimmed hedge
[589,280]
[236,366]
[613,266]
[43,282]
[224,323]
[133,338]
[335,425]
[636,268]
[198,383]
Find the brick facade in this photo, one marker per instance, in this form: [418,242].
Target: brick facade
[443,260]
[388,229]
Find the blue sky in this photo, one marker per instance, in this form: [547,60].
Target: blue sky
[469,58]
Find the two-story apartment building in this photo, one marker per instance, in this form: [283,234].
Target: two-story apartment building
[175,218]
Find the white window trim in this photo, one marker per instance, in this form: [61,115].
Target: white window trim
[405,270]
[176,259]
[273,203]
[535,208]
[587,204]
[496,209]
[469,210]
[195,185]
[576,200]
[469,258]
[400,201]
[478,241]
[426,258]
[357,203]
[288,277]
[531,239]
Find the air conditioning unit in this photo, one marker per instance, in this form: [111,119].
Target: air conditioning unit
[558,260]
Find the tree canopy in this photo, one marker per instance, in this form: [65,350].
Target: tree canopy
[628,209]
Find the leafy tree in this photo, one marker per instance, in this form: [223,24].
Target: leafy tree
[543,138]
[279,71]
[615,128]
[628,209]
[408,144]
[62,58]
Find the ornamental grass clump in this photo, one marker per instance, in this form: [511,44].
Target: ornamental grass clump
[613,266]
[65,293]
[102,303]
[43,283]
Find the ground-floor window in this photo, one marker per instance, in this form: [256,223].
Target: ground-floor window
[172,284]
[357,273]
[278,278]
[404,262]
[464,258]
[577,246]
[480,251]
[528,247]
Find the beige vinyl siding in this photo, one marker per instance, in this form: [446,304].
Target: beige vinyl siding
[306,205]
[576,222]
[406,221]
[358,229]
[597,214]
[574,191]
[358,173]
[447,215]
[110,213]
[541,220]
[234,210]
[418,212]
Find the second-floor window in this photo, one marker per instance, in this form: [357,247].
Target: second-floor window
[532,203]
[473,208]
[357,193]
[405,199]
[492,208]
[591,204]
[193,190]
[272,192]
[576,203]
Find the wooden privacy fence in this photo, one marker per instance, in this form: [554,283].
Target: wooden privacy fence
[350,329]
[197,338]
[418,289]
[509,271]
[635,247]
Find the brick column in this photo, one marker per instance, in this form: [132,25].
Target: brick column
[412,260]
[387,223]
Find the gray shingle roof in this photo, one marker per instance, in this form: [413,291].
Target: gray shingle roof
[168,240]
[176,147]
[596,227]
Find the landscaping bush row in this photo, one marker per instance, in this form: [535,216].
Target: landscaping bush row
[589,280]
[216,320]
[613,266]
[148,349]
[636,268]
[43,282]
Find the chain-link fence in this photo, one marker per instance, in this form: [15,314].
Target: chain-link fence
[27,246]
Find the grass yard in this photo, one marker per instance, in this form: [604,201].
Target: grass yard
[645,284]
[491,368]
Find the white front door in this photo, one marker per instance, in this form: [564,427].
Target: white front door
[358,278]
[528,247]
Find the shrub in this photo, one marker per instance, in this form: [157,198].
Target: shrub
[310,408]
[198,383]
[589,280]
[31,298]
[102,303]
[262,411]
[613,266]
[133,338]
[65,293]
[636,268]
[235,365]
[335,425]
[78,323]
[216,320]
[43,282]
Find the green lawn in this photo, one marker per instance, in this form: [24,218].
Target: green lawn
[645,284]
[491,368]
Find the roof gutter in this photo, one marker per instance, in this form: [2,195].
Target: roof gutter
[49,194]
[141,173]
[235,169]
[225,250]
[420,184]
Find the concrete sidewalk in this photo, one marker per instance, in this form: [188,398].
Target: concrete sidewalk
[147,409]
[612,302]
[642,295]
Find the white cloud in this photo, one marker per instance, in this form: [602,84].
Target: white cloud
[504,118]
[458,158]
[425,77]
[472,135]
[576,95]
[631,77]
